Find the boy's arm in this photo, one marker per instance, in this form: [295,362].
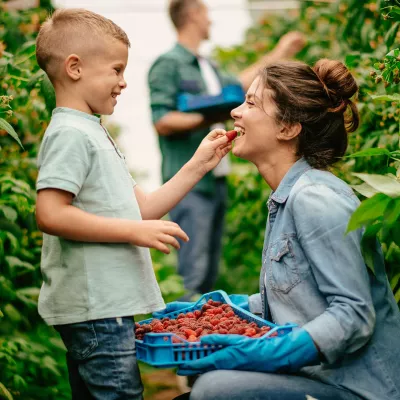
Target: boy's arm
[210,152]
[56,216]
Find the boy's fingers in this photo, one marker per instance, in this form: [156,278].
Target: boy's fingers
[220,141]
[171,223]
[167,239]
[162,247]
[215,134]
[177,232]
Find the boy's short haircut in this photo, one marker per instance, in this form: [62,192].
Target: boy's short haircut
[178,9]
[68,30]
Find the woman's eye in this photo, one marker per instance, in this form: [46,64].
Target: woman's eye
[117,70]
[250,103]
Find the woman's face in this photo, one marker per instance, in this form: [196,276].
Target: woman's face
[255,121]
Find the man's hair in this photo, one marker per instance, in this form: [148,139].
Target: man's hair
[178,11]
[68,30]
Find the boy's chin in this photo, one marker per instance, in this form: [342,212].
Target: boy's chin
[104,111]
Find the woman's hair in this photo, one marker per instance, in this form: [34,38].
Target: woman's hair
[319,99]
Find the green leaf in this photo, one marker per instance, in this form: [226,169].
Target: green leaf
[369,210]
[370,152]
[392,212]
[391,34]
[368,245]
[10,130]
[365,189]
[48,93]
[18,267]
[9,213]
[12,313]
[386,97]
[352,59]
[4,393]
[394,281]
[383,183]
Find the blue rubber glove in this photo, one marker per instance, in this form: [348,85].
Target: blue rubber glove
[171,307]
[286,353]
[241,300]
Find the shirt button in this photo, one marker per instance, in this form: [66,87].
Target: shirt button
[262,292]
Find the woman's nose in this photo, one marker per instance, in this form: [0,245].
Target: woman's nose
[235,113]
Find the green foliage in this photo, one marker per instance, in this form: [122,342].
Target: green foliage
[361,34]
[32,362]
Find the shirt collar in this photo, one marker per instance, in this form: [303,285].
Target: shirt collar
[282,192]
[185,53]
[71,111]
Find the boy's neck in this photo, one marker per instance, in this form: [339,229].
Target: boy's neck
[66,100]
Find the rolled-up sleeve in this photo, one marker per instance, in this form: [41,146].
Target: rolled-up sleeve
[255,304]
[321,216]
[163,86]
[64,161]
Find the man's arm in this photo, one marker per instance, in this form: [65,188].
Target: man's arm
[164,88]
[288,46]
[175,122]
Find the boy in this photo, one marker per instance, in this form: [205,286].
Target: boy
[97,223]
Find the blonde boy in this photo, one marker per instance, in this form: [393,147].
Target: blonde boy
[98,224]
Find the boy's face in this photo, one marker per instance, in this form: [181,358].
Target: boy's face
[102,76]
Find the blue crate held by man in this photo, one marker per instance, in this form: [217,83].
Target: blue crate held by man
[230,97]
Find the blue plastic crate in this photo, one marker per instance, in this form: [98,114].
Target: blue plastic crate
[158,350]
[230,97]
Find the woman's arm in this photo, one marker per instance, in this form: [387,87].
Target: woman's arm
[321,215]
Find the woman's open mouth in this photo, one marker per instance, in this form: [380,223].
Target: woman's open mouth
[240,131]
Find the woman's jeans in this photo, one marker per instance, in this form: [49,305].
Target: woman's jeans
[245,385]
[101,359]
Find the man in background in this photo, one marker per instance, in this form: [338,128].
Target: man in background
[183,70]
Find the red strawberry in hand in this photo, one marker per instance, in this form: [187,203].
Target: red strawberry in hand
[231,135]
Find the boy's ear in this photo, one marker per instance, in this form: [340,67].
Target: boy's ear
[73,67]
[289,132]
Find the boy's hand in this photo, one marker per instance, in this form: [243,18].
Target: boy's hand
[158,234]
[211,150]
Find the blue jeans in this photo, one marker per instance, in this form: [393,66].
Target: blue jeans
[101,359]
[201,216]
[244,385]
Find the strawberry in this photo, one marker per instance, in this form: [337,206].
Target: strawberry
[231,135]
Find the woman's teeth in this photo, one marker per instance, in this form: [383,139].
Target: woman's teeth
[239,130]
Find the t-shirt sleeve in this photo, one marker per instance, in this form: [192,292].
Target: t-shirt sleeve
[64,160]
[163,87]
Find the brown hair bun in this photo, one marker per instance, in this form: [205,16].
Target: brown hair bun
[340,86]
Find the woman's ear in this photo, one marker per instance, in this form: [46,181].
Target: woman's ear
[73,67]
[289,132]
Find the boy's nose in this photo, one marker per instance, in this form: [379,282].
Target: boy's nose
[123,84]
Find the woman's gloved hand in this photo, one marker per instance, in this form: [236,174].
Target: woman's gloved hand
[171,307]
[287,353]
[241,300]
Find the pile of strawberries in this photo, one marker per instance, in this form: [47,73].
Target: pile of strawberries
[214,317]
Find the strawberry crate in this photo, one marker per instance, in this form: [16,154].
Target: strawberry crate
[231,96]
[167,350]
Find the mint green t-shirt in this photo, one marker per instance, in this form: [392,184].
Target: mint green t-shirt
[83,281]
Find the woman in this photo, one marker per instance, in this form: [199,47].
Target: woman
[294,126]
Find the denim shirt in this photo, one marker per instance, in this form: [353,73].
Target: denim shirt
[314,275]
